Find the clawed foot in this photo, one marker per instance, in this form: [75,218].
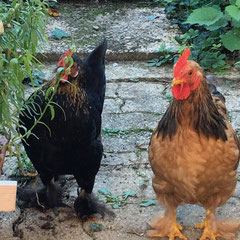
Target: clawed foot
[207,225]
[164,228]
[208,234]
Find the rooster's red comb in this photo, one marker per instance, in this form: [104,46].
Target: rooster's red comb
[182,61]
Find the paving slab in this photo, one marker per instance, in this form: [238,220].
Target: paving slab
[125,165]
[133,31]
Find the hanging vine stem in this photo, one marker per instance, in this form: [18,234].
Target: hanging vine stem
[3,151]
[60,74]
[36,192]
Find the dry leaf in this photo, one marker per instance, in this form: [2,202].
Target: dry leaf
[53,12]
[1,27]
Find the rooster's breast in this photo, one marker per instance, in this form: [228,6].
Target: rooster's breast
[192,167]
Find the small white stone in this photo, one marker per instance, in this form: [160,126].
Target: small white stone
[95,27]
[1,27]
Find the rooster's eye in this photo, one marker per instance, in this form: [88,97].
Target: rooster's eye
[190,73]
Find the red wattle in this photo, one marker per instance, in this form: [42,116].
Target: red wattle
[181,91]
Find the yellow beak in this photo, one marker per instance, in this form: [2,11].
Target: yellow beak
[176,81]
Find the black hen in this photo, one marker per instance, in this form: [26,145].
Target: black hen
[70,144]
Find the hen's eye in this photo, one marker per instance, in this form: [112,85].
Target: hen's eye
[190,73]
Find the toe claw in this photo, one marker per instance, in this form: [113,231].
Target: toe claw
[55,210]
[174,231]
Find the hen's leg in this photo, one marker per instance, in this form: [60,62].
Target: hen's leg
[86,204]
[52,193]
[214,228]
[52,196]
[167,226]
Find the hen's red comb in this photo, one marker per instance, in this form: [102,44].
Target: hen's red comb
[182,61]
[61,63]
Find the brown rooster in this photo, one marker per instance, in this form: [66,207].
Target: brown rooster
[194,154]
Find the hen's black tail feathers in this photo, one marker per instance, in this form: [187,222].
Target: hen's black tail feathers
[213,90]
[86,205]
[218,99]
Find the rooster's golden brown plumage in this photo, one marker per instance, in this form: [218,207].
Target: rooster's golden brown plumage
[194,154]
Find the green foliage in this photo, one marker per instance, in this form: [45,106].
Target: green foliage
[24,165]
[128,193]
[204,16]
[166,56]
[218,20]
[144,183]
[114,132]
[147,203]
[210,28]
[59,34]
[114,200]
[23,29]
[231,40]
[95,227]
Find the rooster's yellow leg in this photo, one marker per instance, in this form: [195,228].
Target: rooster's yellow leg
[208,226]
[203,223]
[166,226]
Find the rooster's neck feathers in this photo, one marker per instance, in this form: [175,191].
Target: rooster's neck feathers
[198,112]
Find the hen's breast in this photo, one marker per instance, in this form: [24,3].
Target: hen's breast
[194,168]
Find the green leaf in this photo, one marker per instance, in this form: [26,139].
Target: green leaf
[95,227]
[116,205]
[151,64]
[49,90]
[238,3]
[59,70]
[231,40]
[147,203]
[167,96]
[144,183]
[233,85]
[71,61]
[235,23]
[128,193]
[59,34]
[104,191]
[233,11]
[134,80]
[220,23]
[204,16]
[52,112]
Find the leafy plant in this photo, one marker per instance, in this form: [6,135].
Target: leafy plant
[24,165]
[213,18]
[95,227]
[37,78]
[114,200]
[166,56]
[112,131]
[23,28]
[128,193]
[210,28]
[144,183]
